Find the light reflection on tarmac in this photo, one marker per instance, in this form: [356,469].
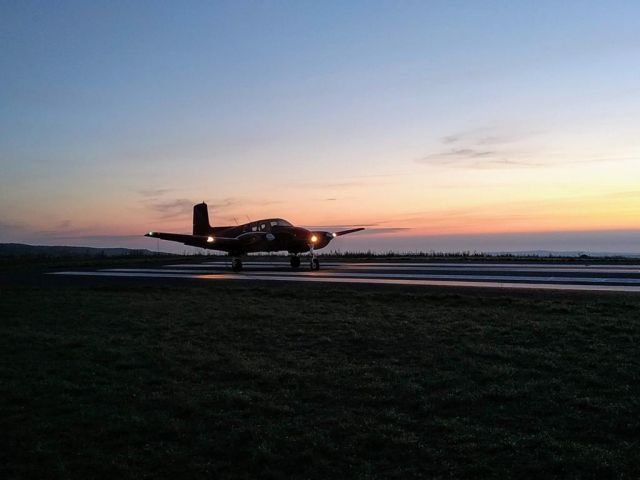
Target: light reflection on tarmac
[623,278]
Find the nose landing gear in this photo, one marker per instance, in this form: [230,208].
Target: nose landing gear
[314,263]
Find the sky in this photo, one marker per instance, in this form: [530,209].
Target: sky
[438,125]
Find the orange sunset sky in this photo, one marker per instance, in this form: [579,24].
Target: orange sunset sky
[493,126]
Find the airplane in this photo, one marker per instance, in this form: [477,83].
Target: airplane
[268,235]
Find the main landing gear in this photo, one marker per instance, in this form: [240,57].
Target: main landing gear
[236,264]
[314,263]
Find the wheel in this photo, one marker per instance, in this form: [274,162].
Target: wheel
[295,261]
[315,264]
[236,264]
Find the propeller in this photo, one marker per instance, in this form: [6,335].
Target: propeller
[345,232]
[317,236]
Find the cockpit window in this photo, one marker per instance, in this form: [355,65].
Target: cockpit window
[280,222]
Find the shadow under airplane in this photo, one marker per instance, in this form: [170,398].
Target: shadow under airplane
[268,235]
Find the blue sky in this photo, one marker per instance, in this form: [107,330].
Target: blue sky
[519,116]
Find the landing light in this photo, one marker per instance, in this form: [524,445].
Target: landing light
[334,234]
[151,234]
[209,239]
[314,239]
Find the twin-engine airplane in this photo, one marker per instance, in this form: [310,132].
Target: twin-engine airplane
[269,235]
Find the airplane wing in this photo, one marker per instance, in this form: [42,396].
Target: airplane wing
[345,232]
[213,241]
[203,241]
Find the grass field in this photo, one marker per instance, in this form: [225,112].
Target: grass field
[235,380]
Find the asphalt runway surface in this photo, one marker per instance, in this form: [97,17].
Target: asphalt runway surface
[621,278]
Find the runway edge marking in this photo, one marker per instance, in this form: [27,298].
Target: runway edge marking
[377,281]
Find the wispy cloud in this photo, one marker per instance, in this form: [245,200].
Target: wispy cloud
[486,136]
[17,230]
[60,232]
[332,184]
[479,159]
[10,230]
[455,155]
[450,139]
[481,148]
[154,192]
[227,209]
[223,203]
[506,163]
[352,181]
[63,225]
[484,149]
[172,208]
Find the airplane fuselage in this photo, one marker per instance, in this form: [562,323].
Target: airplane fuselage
[267,235]
[273,235]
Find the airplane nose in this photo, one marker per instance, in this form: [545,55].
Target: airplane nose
[319,239]
[301,233]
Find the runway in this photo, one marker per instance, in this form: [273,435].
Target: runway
[620,278]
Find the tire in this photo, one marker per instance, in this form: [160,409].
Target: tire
[236,264]
[315,264]
[295,261]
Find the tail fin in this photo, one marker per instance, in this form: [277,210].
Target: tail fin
[201,219]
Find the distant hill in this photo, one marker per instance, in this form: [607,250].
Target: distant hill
[552,253]
[21,249]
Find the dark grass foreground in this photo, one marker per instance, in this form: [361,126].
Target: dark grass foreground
[313,381]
